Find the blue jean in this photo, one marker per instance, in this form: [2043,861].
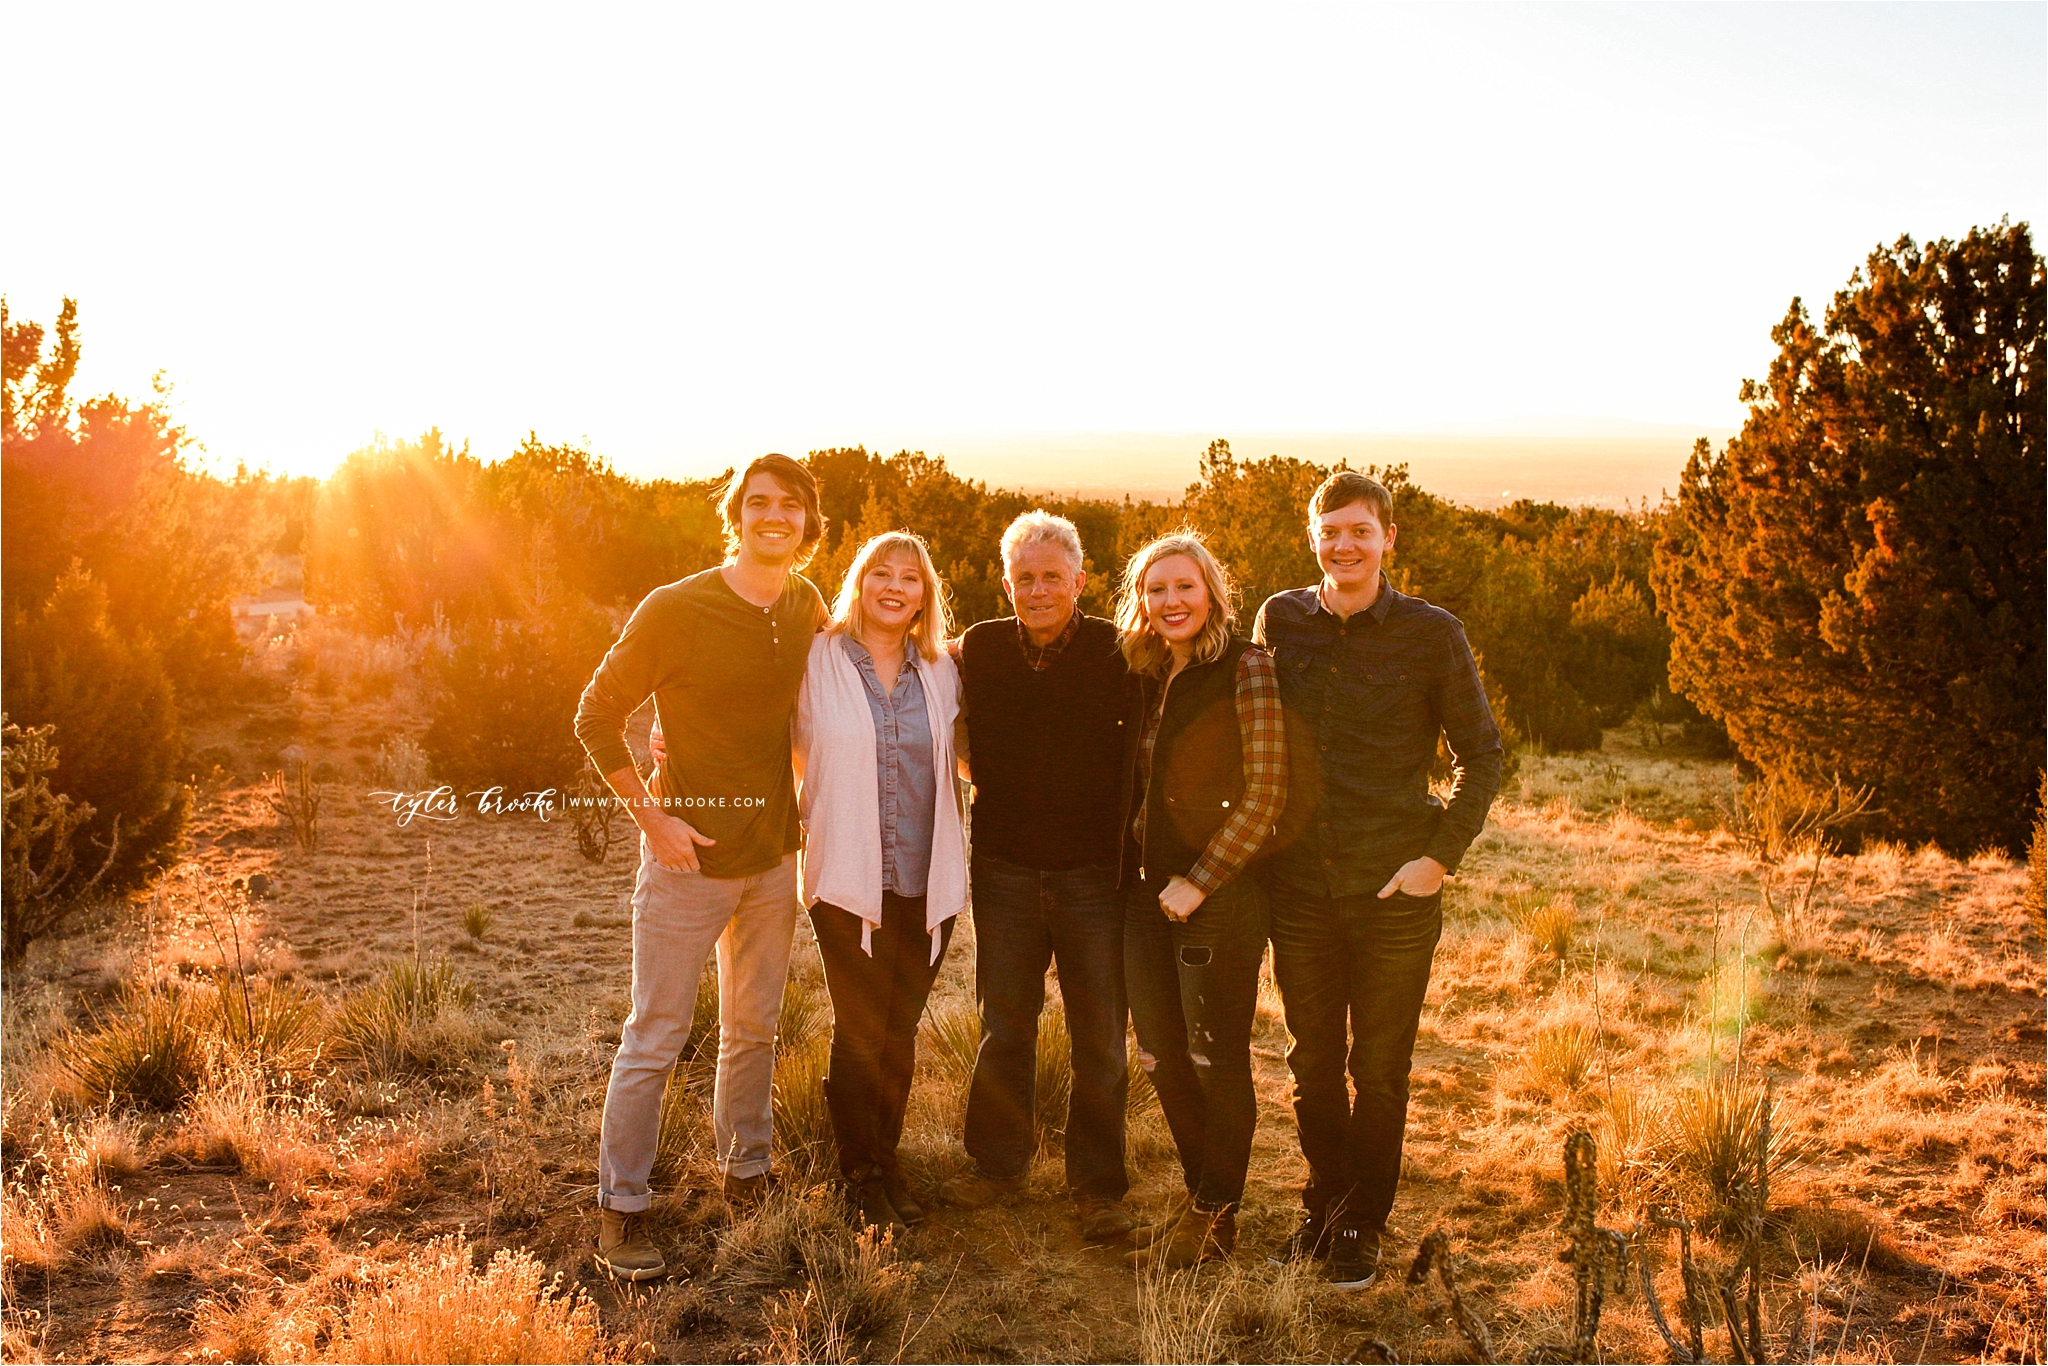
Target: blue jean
[1194,988]
[1364,962]
[1025,920]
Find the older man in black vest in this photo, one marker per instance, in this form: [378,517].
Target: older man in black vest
[1044,696]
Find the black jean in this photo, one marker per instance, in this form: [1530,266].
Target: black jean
[1368,959]
[1026,919]
[877,1000]
[1194,988]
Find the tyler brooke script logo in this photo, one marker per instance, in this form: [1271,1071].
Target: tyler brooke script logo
[442,803]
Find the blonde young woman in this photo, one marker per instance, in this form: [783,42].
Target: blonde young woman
[1206,778]
[884,868]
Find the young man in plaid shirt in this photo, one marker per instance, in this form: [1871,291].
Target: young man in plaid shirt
[1370,678]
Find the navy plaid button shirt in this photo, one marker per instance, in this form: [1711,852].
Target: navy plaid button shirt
[1366,699]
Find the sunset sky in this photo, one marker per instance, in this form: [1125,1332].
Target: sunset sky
[691,234]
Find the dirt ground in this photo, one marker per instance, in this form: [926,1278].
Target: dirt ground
[1898,1018]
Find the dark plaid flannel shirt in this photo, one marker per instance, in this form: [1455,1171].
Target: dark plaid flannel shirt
[1371,694]
[1040,657]
[1262,730]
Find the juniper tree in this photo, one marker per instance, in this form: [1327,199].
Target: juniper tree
[1854,584]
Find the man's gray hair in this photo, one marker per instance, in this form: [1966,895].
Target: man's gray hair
[1041,527]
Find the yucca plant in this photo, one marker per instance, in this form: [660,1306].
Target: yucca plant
[700,1047]
[384,1024]
[1055,1075]
[951,1040]
[803,1123]
[147,1051]
[476,920]
[1724,1141]
[1634,1133]
[676,1140]
[263,1019]
[1558,1060]
[805,1014]
[1551,923]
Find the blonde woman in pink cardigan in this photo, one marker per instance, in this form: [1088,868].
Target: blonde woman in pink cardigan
[884,867]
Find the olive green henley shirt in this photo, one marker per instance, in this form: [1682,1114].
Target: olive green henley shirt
[724,676]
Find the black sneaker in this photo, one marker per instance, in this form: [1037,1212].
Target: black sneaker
[1354,1257]
[1310,1239]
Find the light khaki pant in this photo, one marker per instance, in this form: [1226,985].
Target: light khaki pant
[677,918]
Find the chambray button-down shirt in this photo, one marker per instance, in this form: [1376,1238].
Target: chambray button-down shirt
[1369,696]
[905,780]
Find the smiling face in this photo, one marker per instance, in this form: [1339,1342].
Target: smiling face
[892,592]
[1176,599]
[772,521]
[1350,543]
[1043,584]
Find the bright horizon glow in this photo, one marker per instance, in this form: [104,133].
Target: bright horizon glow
[689,235]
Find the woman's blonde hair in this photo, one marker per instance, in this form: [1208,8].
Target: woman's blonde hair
[1143,650]
[933,622]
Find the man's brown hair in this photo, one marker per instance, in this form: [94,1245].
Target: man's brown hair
[1346,487]
[794,477]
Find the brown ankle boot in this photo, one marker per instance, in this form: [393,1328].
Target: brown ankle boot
[1147,1234]
[625,1250]
[1200,1235]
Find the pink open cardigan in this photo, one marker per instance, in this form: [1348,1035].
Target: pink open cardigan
[834,737]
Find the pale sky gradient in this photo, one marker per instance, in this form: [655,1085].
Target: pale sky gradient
[691,234]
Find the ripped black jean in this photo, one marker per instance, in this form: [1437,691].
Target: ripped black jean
[1194,991]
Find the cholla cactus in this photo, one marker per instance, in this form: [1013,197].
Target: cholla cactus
[38,867]
[1598,1256]
[1436,1252]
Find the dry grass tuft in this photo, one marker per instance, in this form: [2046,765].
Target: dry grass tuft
[1238,1311]
[30,1249]
[1055,1082]
[105,1148]
[238,1121]
[772,1244]
[476,920]
[682,1120]
[1847,1234]
[806,1014]
[435,1306]
[847,1300]
[1180,1318]
[951,1038]
[245,1328]
[836,1290]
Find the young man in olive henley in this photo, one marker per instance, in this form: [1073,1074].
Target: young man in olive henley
[722,653]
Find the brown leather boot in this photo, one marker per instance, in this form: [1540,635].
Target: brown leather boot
[625,1250]
[1144,1235]
[745,1193]
[908,1208]
[1200,1236]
